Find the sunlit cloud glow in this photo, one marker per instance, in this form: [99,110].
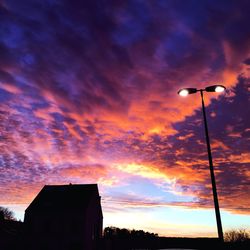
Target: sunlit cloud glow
[88,94]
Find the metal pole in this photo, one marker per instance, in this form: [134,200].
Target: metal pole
[216,202]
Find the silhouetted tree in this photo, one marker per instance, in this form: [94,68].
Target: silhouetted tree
[7,214]
[238,235]
[109,232]
[123,233]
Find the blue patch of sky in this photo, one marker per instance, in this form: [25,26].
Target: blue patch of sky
[58,117]
[189,124]
[31,9]
[52,3]
[12,36]
[139,185]
[132,24]
[64,78]
[27,59]
[140,10]
[2,160]
[128,33]
[22,110]
[177,45]
[24,84]
[39,104]
[5,96]
[30,94]
[193,13]
[194,18]
[81,29]
[163,4]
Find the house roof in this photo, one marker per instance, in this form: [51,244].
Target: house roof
[61,197]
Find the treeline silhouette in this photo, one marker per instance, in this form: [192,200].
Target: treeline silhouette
[115,238]
[124,233]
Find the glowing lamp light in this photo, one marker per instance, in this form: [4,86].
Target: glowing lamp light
[219,89]
[187,91]
[215,88]
[183,92]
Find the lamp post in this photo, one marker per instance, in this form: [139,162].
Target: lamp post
[213,88]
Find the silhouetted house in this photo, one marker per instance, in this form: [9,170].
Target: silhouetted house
[64,217]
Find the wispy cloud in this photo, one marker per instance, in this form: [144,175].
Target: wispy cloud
[88,94]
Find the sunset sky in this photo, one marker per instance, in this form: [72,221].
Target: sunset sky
[88,94]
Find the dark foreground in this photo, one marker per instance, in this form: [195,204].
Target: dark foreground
[156,244]
[162,243]
[12,237]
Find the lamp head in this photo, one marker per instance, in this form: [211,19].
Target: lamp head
[215,88]
[187,91]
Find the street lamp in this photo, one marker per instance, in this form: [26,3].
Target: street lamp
[213,88]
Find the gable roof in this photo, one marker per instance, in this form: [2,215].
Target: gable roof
[61,197]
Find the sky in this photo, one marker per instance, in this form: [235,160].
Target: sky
[88,94]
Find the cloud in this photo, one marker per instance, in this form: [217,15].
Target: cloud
[89,94]
[89,172]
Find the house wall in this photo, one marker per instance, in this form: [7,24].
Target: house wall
[55,230]
[93,226]
[66,229]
